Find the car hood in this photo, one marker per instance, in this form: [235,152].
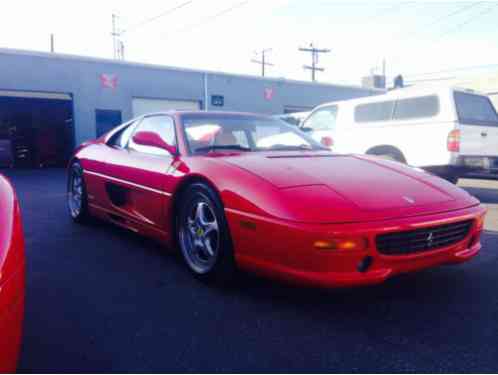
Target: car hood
[326,187]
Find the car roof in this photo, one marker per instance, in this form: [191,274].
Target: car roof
[408,92]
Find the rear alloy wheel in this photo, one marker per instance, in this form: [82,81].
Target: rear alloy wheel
[76,194]
[203,234]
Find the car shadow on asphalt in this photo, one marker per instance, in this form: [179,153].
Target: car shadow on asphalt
[432,286]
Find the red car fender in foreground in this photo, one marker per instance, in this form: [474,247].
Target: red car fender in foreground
[12,277]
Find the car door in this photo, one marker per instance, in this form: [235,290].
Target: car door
[139,176]
[322,124]
[97,168]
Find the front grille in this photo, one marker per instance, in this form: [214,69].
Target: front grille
[425,239]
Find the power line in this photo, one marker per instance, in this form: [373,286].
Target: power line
[117,33]
[468,21]
[263,62]
[487,66]
[213,17]
[390,10]
[431,79]
[455,13]
[456,29]
[155,18]
[315,52]
[445,17]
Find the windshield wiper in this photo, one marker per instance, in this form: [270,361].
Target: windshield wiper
[222,147]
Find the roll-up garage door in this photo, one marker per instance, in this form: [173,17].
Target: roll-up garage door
[36,129]
[35,95]
[143,106]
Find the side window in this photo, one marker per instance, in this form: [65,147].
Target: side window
[373,112]
[413,108]
[161,125]
[323,119]
[121,139]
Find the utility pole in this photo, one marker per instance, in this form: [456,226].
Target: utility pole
[114,36]
[314,59]
[121,50]
[263,62]
[52,43]
[117,43]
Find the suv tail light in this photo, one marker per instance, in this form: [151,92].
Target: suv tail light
[454,141]
[327,141]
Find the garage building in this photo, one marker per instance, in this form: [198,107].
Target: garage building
[51,102]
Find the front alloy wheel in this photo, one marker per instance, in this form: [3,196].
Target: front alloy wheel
[200,236]
[203,234]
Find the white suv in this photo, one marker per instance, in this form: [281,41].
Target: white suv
[446,131]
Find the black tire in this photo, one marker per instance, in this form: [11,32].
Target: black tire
[78,214]
[388,153]
[207,267]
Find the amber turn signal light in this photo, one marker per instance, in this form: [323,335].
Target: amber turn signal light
[480,222]
[342,244]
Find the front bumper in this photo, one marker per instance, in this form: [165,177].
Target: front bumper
[285,250]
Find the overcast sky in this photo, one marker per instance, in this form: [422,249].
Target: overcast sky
[413,37]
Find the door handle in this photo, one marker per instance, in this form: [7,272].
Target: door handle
[484,134]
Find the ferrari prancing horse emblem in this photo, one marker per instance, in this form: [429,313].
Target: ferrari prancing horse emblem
[430,239]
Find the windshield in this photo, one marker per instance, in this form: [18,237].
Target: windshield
[244,133]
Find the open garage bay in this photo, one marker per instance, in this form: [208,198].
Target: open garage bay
[100,299]
[36,129]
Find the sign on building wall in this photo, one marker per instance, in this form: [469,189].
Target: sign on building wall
[109,81]
[217,100]
[269,93]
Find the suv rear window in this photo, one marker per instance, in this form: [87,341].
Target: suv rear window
[372,112]
[475,109]
[414,108]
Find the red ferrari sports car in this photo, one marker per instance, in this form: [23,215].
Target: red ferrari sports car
[12,265]
[239,190]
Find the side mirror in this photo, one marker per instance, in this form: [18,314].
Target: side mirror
[152,139]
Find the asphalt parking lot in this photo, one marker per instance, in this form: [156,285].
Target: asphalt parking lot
[100,299]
